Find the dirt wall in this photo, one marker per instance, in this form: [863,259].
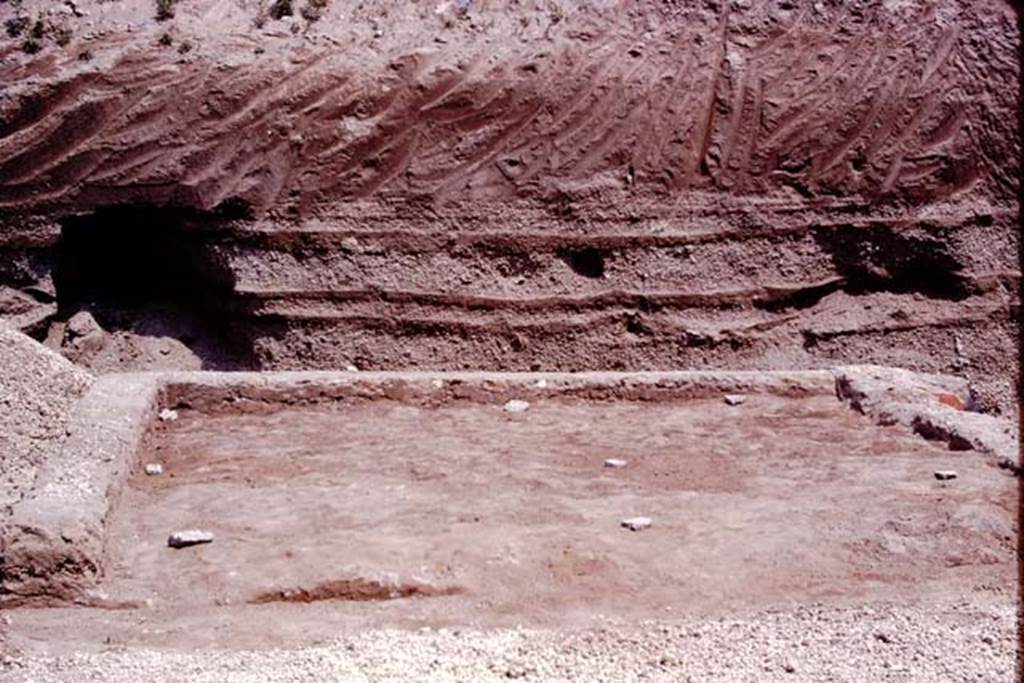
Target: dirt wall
[527,185]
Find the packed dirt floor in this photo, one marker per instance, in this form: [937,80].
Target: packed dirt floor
[448,522]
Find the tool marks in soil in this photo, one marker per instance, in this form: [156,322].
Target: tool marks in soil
[844,101]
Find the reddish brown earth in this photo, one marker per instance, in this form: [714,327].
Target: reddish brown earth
[376,514]
[526,185]
[556,186]
[907,100]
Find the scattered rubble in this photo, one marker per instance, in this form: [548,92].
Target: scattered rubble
[168,415]
[189,537]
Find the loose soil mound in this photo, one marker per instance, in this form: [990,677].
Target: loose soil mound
[38,389]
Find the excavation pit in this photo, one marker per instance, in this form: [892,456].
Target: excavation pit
[408,501]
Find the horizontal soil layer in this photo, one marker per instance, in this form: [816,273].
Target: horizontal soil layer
[700,285]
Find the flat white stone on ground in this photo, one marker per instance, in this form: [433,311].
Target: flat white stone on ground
[183,539]
[637,523]
[945,475]
[154,468]
[517,406]
[614,463]
[734,399]
[168,415]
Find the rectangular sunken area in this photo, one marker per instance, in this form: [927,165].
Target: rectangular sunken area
[393,501]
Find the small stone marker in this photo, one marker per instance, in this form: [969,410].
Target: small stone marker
[945,475]
[183,539]
[637,523]
[168,415]
[154,468]
[614,463]
[517,406]
[351,368]
[734,399]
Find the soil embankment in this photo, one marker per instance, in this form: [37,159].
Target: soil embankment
[518,186]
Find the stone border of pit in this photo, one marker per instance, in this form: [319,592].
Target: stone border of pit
[52,545]
[933,406]
[52,549]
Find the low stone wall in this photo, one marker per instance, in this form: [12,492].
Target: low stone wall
[52,547]
[934,406]
[211,392]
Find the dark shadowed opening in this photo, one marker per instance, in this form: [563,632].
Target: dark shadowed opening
[146,271]
[131,257]
[586,262]
[880,259]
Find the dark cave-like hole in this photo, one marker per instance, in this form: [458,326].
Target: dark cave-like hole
[880,259]
[589,263]
[129,257]
[147,271]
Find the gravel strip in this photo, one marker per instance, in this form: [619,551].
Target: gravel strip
[957,642]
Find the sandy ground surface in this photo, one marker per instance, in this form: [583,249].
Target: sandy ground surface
[381,541]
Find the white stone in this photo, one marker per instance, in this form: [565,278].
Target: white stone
[734,399]
[637,523]
[517,406]
[351,368]
[154,468]
[168,415]
[945,475]
[614,463]
[183,539]
[542,384]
